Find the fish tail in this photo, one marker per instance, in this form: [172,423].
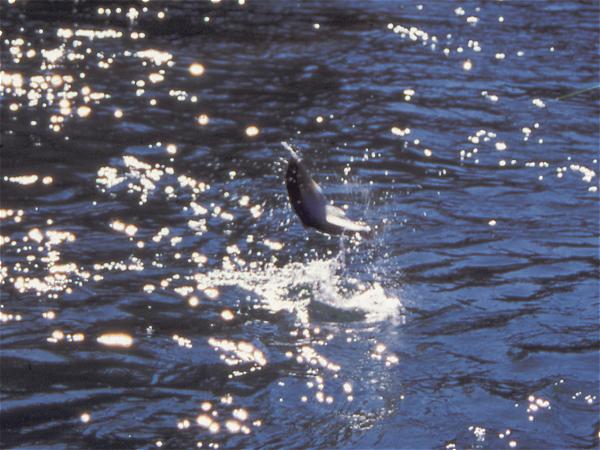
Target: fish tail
[290,149]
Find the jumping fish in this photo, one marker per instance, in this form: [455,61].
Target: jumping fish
[311,206]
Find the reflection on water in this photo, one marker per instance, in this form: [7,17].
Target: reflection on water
[157,290]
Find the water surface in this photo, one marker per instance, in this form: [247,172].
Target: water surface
[157,290]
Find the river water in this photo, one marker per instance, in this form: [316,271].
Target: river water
[158,291]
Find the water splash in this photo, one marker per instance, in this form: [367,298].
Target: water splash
[297,286]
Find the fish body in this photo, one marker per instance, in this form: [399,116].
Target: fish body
[311,206]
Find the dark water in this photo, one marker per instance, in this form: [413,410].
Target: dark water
[157,290]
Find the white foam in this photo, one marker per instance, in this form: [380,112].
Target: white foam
[295,285]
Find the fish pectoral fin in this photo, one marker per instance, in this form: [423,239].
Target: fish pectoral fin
[316,187]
